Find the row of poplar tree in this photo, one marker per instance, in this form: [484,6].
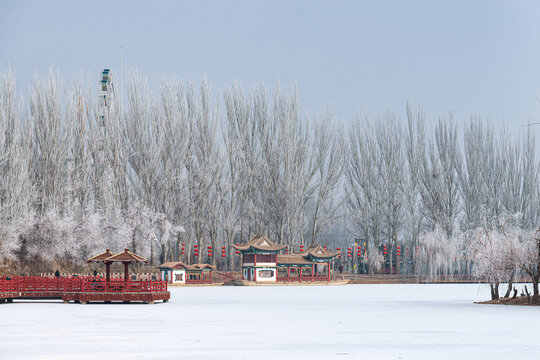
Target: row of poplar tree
[180,165]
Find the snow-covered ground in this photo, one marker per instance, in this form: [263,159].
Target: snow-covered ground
[342,322]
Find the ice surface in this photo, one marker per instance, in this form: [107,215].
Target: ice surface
[319,322]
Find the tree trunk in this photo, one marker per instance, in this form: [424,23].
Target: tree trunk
[509,290]
[494,290]
[535,298]
[510,285]
[536,276]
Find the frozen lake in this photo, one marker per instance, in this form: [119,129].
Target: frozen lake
[341,322]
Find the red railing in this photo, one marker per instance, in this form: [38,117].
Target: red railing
[77,284]
[198,281]
[301,279]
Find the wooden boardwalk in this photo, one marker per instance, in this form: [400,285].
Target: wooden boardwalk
[82,289]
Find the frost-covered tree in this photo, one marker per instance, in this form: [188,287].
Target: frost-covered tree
[438,178]
[328,160]
[414,144]
[364,187]
[51,135]
[496,250]
[528,258]
[438,252]
[16,191]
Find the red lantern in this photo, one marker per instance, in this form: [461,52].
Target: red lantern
[238,252]
[183,244]
[195,246]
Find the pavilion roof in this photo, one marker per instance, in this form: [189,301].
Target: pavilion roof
[294,259]
[201,266]
[101,257]
[126,256]
[318,252]
[302,258]
[260,242]
[172,264]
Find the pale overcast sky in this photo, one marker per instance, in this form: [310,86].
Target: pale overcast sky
[480,57]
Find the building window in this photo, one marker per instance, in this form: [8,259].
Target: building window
[266,258]
[265,274]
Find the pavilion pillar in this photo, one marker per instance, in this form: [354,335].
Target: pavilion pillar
[126,271]
[328,270]
[300,273]
[255,266]
[312,272]
[107,271]
[210,276]
[288,272]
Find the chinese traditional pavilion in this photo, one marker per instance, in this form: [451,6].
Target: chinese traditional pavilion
[181,274]
[259,259]
[103,258]
[313,264]
[126,257]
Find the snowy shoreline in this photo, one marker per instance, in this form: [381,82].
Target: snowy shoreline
[373,321]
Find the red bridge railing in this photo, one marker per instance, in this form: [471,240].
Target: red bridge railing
[77,284]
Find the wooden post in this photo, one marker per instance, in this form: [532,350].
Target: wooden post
[126,271]
[288,272]
[312,272]
[210,276]
[328,270]
[255,267]
[300,272]
[108,271]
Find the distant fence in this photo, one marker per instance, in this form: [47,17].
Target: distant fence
[420,279]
